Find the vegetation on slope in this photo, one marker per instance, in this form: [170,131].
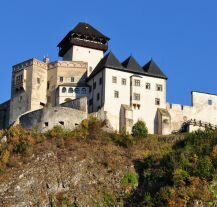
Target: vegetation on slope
[175,171]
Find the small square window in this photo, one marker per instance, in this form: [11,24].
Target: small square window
[94,85]
[210,102]
[159,87]
[72,79]
[61,79]
[98,96]
[148,86]
[114,79]
[116,94]
[100,81]
[91,102]
[124,81]
[137,96]
[137,82]
[38,80]
[157,101]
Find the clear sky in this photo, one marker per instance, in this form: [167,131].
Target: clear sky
[181,36]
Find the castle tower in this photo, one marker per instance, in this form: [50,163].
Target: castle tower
[84,43]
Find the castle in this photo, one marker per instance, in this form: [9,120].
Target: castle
[89,81]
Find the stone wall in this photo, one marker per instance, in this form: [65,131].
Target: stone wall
[45,119]
[4,114]
[79,104]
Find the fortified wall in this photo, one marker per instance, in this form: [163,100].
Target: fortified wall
[203,109]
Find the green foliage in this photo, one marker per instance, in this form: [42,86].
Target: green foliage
[130,180]
[180,177]
[139,130]
[20,147]
[204,167]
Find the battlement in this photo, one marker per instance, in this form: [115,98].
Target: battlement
[28,63]
[67,64]
[178,107]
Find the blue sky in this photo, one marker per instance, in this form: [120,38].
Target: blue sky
[181,36]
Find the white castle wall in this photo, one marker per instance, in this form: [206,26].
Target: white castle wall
[200,110]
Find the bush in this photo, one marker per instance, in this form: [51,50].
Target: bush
[179,177]
[130,180]
[139,129]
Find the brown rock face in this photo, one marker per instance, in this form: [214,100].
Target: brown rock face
[78,173]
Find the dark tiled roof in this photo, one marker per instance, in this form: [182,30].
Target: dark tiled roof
[152,68]
[87,29]
[109,61]
[132,65]
[129,65]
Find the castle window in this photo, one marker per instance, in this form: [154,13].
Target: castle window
[100,81]
[138,106]
[94,85]
[157,101]
[72,79]
[77,90]
[63,89]
[114,79]
[48,85]
[210,102]
[124,81]
[46,124]
[159,87]
[42,104]
[90,69]
[70,90]
[61,79]
[148,86]
[38,80]
[136,96]
[83,90]
[98,95]
[116,94]
[61,123]
[91,102]
[136,82]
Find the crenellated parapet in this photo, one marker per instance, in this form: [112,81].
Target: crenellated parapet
[28,63]
[67,64]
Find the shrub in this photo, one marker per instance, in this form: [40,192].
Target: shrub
[204,167]
[139,129]
[179,177]
[130,180]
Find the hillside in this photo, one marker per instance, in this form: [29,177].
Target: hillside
[90,167]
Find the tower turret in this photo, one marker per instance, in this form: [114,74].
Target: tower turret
[84,43]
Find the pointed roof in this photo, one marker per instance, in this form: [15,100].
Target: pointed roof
[153,69]
[108,61]
[131,64]
[86,29]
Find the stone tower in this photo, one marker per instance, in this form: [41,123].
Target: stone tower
[84,43]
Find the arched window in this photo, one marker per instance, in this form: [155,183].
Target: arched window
[84,90]
[70,90]
[77,90]
[63,89]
